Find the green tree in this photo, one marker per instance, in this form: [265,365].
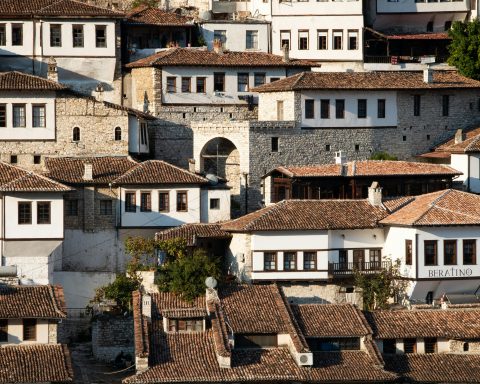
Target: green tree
[186,276]
[119,290]
[148,3]
[464,50]
[383,156]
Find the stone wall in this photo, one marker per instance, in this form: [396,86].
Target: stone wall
[459,345]
[111,336]
[321,294]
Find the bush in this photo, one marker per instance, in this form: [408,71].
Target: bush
[383,156]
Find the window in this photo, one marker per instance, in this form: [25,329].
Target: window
[274,144]
[430,344]
[13,159]
[164,201]
[357,147]
[410,345]
[29,329]
[445,105]
[269,261]
[408,252]
[256,341]
[337,39]
[322,40]
[37,159]
[375,258]
[327,147]
[19,115]
[220,35]
[214,203]
[38,116]
[362,108]
[186,84]
[3,115]
[285,39]
[171,84]
[251,40]
[242,82]
[389,346]
[324,109]
[309,109]
[272,79]
[450,252]
[17,34]
[339,108]
[466,347]
[201,88]
[106,207]
[43,212]
[259,79]
[101,36]
[3,330]
[302,40]
[381,108]
[118,134]
[143,134]
[76,134]
[77,34]
[182,205]
[429,297]
[279,110]
[185,325]
[3,34]
[55,35]
[219,82]
[430,24]
[289,261]
[145,202]
[430,252]
[24,212]
[352,40]
[309,260]
[447,25]
[130,203]
[333,344]
[71,207]
[416,105]
[469,252]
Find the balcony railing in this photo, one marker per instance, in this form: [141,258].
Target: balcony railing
[394,60]
[363,267]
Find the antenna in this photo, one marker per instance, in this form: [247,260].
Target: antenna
[211,282]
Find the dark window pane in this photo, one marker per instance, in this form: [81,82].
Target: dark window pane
[43,212]
[3,330]
[55,35]
[339,108]
[289,261]
[130,204]
[163,202]
[145,202]
[101,36]
[24,213]
[381,108]
[430,252]
[255,341]
[269,261]
[450,252]
[325,109]
[29,329]
[182,202]
[219,82]
[309,260]
[3,115]
[77,32]
[309,109]
[469,252]
[410,345]
[362,108]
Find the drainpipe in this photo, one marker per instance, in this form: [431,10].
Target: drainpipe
[468,173]
[33,46]
[3,230]
[245,174]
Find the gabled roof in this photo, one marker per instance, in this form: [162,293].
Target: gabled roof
[39,301]
[158,172]
[203,58]
[470,143]
[309,215]
[409,80]
[145,15]
[192,232]
[18,81]
[447,207]
[35,363]
[53,8]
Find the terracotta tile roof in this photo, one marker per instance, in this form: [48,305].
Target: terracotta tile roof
[447,207]
[204,58]
[70,170]
[140,327]
[435,368]
[330,320]
[158,172]
[38,363]
[55,8]
[451,323]
[192,232]
[411,80]
[39,301]
[155,16]
[396,203]
[321,170]
[167,304]
[470,143]
[18,81]
[309,215]
[420,36]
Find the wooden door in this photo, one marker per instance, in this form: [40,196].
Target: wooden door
[358,258]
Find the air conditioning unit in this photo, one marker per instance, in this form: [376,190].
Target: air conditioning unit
[305,359]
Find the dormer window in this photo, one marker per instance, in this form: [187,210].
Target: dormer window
[333,344]
[3,330]
[185,325]
[256,341]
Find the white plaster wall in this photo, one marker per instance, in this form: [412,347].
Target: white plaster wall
[208,215]
[351,109]
[39,268]
[459,161]
[162,219]
[15,332]
[293,240]
[239,257]
[267,106]
[134,142]
[394,248]
[475,173]
[416,22]
[410,6]
[324,8]
[236,35]
[27,48]
[54,230]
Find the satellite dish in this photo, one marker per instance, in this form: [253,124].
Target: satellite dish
[212,178]
[210,282]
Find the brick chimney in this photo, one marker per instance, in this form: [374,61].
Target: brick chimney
[459,136]
[218,46]
[428,75]
[286,54]
[52,70]
[375,194]
[87,171]
[191,165]
[147,306]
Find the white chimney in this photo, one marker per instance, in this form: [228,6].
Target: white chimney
[191,165]
[87,171]
[52,70]
[428,75]
[147,306]
[218,46]
[340,158]
[375,194]
[99,91]
[459,136]
[286,54]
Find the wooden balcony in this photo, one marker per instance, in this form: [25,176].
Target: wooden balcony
[346,269]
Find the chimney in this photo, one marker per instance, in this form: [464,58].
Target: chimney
[52,71]
[218,46]
[286,54]
[459,136]
[147,306]
[375,194]
[340,158]
[428,75]
[99,92]
[88,171]
[191,165]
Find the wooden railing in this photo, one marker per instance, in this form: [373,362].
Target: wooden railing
[362,267]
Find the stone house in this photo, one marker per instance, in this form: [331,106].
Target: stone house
[30,353]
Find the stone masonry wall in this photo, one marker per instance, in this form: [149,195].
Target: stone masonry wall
[321,294]
[111,336]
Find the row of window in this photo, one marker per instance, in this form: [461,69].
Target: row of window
[16,33]
[185,325]
[25,212]
[163,201]
[270,261]
[417,102]
[71,207]
[410,345]
[323,41]
[333,344]
[29,330]
[251,38]
[117,134]
[19,115]
[310,110]
[469,254]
